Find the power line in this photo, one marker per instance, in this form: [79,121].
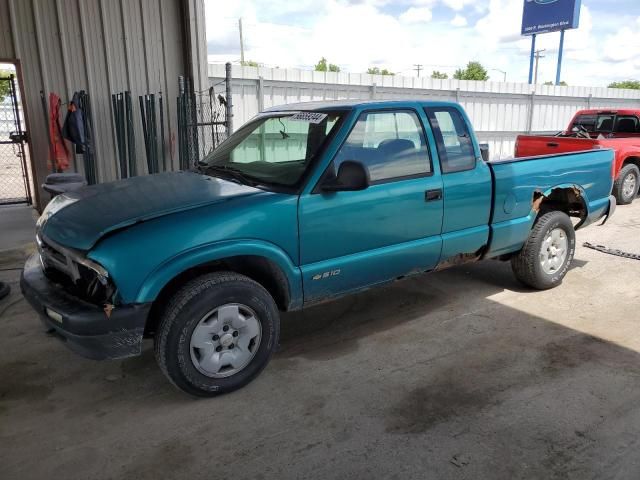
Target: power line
[418,68]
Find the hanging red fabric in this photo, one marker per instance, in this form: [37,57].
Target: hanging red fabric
[58,148]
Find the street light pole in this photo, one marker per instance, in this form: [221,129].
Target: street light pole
[504,74]
[241,41]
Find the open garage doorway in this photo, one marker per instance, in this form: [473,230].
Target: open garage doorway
[15,184]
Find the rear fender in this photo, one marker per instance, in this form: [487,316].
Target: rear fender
[581,195]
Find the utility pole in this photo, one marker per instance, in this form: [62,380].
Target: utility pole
[241,42]
[537,57]
[418,68]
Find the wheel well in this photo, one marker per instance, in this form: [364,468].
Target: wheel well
[260,269]
[634,160]
[564,199]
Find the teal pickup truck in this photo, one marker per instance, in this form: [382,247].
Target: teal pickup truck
[303,204]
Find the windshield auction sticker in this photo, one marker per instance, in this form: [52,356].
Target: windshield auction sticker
[311,117]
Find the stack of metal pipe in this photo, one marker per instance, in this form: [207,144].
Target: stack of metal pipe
[125,133]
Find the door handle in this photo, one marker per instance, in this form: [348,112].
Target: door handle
[553,144]
[433,195]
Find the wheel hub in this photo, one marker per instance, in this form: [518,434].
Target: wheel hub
[225,340]
[553,252]
[629,185]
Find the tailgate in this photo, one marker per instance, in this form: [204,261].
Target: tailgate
[532,145]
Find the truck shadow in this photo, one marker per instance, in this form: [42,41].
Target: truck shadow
[335,328]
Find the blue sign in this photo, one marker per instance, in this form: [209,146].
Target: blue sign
[542,16]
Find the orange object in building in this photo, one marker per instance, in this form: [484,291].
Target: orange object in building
[57,147]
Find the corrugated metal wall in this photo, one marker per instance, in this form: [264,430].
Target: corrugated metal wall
[103,47]
[499,111]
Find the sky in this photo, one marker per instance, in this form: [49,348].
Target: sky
[439,34]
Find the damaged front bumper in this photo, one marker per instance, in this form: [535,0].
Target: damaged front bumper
[87,329]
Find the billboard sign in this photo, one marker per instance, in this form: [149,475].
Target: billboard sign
[542,16]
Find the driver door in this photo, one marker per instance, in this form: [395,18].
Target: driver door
[350,240]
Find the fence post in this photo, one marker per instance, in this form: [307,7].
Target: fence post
[374,90]
[589,101]
[227,79]
[458,95]
[530,116]
[260,94]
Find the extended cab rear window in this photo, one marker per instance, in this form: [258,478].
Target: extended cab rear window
[453,140]
[608,123]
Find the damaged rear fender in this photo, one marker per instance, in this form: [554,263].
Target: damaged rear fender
[568,198]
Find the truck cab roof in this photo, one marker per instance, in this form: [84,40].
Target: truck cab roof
[333,105]
[596,111]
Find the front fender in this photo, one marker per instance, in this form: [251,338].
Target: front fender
[165,272]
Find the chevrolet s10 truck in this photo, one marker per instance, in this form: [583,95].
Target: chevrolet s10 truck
[303,204]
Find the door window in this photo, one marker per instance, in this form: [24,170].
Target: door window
[390,144]
[627,124]
[453,140]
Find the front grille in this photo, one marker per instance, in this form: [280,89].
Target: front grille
[53,259]
[77,279]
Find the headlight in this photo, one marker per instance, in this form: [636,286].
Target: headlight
[102,274]
[54,206]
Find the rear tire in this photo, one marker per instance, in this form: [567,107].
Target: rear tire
[625,188]
[546,256]
[217,334]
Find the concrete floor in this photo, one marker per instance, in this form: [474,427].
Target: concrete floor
[459,374]
[17,223]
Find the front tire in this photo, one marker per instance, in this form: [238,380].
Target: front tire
[546,256]
[217,334]
[625,188]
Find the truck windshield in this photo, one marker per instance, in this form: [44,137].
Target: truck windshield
[274,149]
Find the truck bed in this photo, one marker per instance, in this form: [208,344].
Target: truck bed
[536,145]
[519,182]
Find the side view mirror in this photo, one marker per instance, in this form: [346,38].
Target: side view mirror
[484,151]
[352,176]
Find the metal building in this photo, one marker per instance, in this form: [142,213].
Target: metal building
[101,47]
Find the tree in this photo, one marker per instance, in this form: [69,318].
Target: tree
[439,75]
[632,84]
[562,83]
[323,66]
[377,71]
[249,63]
[474,71]
[5,87]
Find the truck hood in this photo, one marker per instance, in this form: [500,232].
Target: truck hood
[79,219]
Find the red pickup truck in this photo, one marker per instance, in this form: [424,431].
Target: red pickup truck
[591,129]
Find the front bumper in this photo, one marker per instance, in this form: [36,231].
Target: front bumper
[86,328]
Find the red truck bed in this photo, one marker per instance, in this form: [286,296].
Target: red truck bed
[618,130]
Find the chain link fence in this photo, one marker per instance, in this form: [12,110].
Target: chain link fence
[14,180]
[204,119]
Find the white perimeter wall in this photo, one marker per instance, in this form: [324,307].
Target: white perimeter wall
[499,110]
